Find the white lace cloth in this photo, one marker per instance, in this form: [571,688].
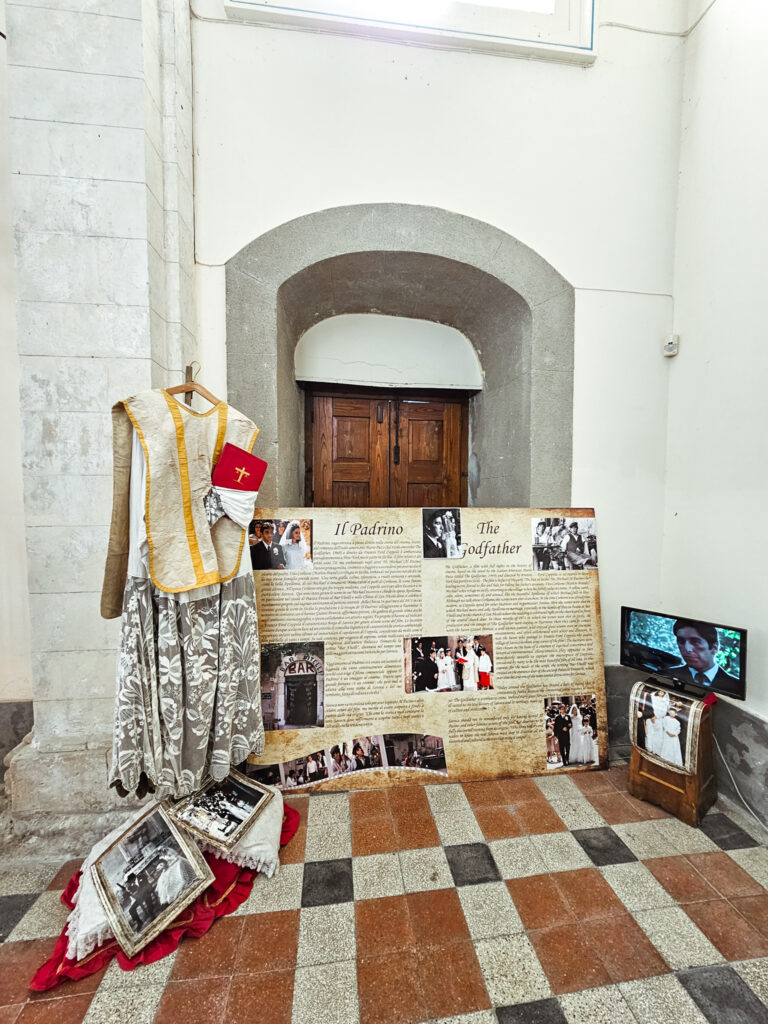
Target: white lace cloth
[87,925]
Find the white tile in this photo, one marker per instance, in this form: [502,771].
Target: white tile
[327,934]
[325,994]
[645,840]
[71,96]
[117,980]
[754,860]
[511,970]
[489,910]
[755,973]
[425,869]
[517,858]
[561,852]
[661,1000]
[328,808]
[556,786]
[16,879]
[458,826]
[677,938]
[106,1009]
[74,41]
[46,917]
[327,841]
[604,1005]
[577,812]
[636,887]
[480,1017]
[377,876]
[450,797]
[281,892]
[684,838]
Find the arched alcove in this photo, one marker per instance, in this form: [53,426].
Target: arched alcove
[426,263]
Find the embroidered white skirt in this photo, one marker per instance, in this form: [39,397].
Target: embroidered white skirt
[188,700]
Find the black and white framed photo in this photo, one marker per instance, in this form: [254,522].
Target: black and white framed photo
[441,532]
[147,877]
[220,812]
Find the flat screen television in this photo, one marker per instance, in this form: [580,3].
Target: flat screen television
[692,653]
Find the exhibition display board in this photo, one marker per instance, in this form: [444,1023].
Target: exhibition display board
[465,642]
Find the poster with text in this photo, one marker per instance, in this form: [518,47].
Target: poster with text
[430,643]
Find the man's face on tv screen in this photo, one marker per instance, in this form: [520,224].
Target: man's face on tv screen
[695,650]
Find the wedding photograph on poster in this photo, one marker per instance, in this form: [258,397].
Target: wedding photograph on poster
[448,664]
[292,685]
[147,877]
[412,750]
[221,811]
[661,724]
[365,752]
[570,729]
[303,771]
[441,532]
[281,544]
[561,543]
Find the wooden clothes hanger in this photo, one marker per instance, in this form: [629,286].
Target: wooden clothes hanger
[190,385]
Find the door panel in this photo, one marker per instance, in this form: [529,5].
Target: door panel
[385,451]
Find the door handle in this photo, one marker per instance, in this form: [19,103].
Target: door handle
[380,413]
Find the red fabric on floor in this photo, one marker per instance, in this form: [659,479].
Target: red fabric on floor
[230,887]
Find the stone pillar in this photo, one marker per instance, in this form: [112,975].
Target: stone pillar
[101,158]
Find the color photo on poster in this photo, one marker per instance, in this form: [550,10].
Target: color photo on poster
[292,685]
[391,750]
[446,664]
[146,878]
[280,543]
[570,729]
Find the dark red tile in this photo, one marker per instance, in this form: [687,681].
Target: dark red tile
[266,997]
[539,901]
[66,1010]
[268,942]
[451,980]
[725,875]
[569,964]
[416,832]
[369,803]
[624,949]
[388,989]
[437,917]
[498,822]
[10,1014]
[618,776]
[645,811]
[294,850]
[614,807]
[383,926]
[18,963]
[65,872]
[300,804]
[587,893]
[213,954]
[591,783]
[203,999]
[754,909]
[485,794]
[520,791]
[727,930]
[539,818]
[407,801]
[374,835]
[681,879]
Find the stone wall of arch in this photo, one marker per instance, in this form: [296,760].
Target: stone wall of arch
[420,262]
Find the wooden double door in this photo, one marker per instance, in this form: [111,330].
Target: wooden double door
[385,450]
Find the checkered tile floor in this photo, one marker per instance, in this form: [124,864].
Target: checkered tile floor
[558,899]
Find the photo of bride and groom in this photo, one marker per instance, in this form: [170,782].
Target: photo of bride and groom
[660,724]
[570,727]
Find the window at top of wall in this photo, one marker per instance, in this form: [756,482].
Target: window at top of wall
[549,29]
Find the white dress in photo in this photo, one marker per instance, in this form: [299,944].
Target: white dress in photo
[581,745]
[295,553]
[653,735]
[446,675]
[669,747]
[470,674]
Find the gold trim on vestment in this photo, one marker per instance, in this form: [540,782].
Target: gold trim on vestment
[223,409]
[186,494]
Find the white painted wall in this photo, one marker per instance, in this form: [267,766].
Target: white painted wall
[372,349]
[580,164]
[717,487]
[15,660]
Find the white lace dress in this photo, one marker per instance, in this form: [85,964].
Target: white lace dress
[188,699]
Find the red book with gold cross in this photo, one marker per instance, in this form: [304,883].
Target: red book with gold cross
[238,470]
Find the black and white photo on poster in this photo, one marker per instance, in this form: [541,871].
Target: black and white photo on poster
[661,723]
[415,750]
[303,771]
[220,812]
[448,664]
[147,877]
[561,543]
[365,752]
[280,544]
[570,730]
[441,532]
[293,685]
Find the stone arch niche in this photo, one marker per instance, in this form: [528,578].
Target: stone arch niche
[412,261]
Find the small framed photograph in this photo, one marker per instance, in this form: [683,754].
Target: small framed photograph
[220,812]
[147,877]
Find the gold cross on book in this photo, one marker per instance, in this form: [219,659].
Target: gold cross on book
[242,473]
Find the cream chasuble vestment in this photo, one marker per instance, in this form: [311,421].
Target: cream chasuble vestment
[178,567]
